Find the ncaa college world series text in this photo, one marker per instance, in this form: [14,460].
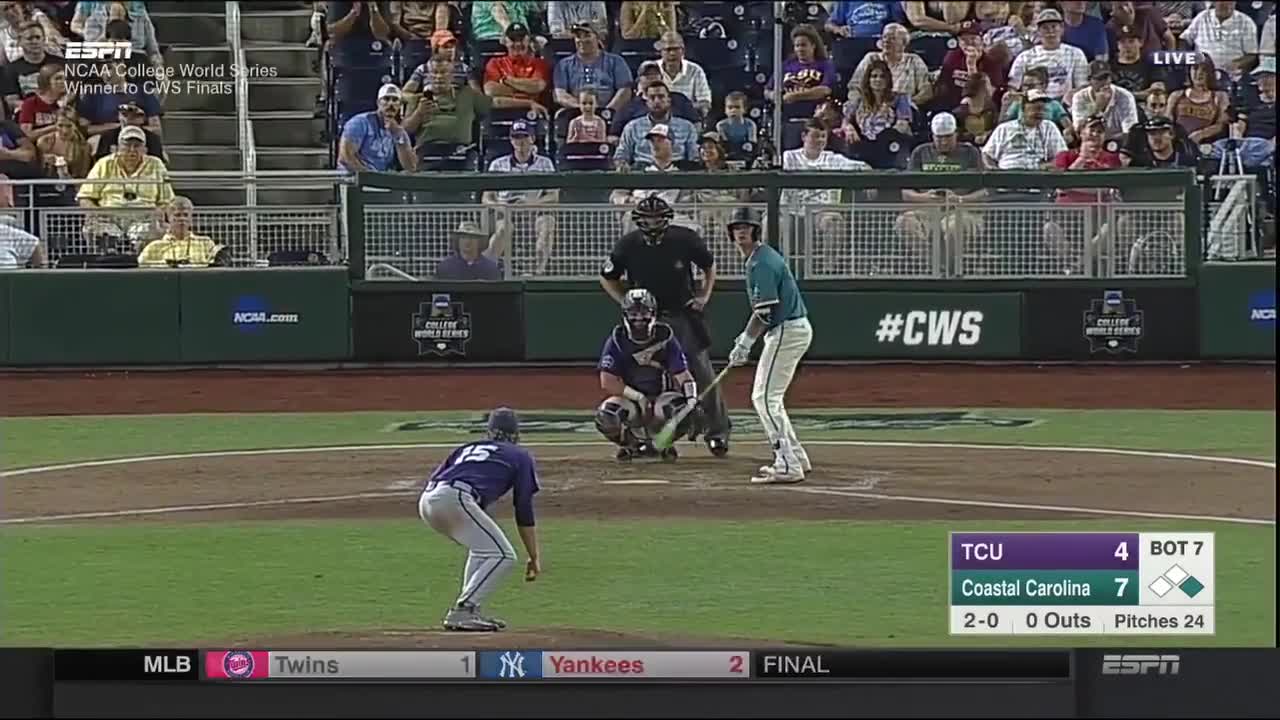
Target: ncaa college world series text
[104,77]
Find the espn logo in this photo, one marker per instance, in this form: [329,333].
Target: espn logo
[99,50]
[1140,664]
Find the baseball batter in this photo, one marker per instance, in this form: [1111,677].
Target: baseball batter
[641,368]
[779,315]
[455,501]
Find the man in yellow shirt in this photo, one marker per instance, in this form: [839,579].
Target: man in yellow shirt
[130,182]
[179,246]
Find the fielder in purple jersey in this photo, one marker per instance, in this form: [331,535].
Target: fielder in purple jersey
[646,375]
[455,503]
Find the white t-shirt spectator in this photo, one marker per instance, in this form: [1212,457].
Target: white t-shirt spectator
[1267,43]
[1222,40]
[796,160]
[1067,66]
[509,164]
[1014,146]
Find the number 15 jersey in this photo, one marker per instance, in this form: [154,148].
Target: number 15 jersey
[492,468]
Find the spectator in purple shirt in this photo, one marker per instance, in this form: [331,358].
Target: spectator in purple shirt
[809,76]
[468,262]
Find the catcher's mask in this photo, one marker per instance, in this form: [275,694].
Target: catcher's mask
[639,312]
[746,216]
[504,425]
[653,216]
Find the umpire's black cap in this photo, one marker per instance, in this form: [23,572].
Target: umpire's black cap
[504,424]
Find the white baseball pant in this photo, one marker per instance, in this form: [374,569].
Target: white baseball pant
[452,511]
[784,346]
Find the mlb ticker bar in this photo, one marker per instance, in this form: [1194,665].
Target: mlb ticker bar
[551,665]
[1011,583]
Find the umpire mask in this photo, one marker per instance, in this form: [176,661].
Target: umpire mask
[653,216]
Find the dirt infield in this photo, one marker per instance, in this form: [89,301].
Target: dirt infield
[904,386]
[851,481]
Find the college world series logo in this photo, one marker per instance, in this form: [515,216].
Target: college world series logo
[442,327]
[1113,324]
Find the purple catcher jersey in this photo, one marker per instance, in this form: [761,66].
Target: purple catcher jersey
[647,367]
[492,468]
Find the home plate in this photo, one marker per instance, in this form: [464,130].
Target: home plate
[635,482]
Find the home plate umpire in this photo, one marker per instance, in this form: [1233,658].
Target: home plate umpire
[659,257]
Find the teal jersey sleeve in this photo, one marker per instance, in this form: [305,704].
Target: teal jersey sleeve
[771,288]
[763,278]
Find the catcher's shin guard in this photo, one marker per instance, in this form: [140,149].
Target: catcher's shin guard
[613,419]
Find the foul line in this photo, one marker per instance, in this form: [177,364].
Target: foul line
[793,488]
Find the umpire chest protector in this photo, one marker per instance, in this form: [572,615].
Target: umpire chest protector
[663,268]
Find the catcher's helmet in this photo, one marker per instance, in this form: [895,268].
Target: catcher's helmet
[504,424]
[653,216]
[639,314]
[746,216]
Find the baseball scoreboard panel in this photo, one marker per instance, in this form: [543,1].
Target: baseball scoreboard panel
[1081,583]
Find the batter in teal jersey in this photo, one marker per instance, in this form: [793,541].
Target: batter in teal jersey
[778,314]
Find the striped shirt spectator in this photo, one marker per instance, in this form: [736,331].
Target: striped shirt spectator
[512,164]
[1226,39]
[681,75]
[911,76]
[1116,106]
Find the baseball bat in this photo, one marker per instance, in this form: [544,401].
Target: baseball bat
[668,432]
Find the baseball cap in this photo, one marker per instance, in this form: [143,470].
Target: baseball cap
[710,136]
[582,27]
[660,130]
[1127,32]
[968,27]
[669,40]
[440,38]
[131,108]
[1048,15]
[1099,69]
[1158,122]
[1037,95]
[388,90]
[133,132]
[517,31]
[1095,119]
[1266,65]
[649,67]
[521,128]
[944,123]
[467,227]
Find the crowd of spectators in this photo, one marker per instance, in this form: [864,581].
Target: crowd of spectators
[95,125]
[663,86]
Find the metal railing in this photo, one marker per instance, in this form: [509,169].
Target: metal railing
[250,234]
[830,225]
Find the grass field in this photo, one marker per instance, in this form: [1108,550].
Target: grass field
[847,582]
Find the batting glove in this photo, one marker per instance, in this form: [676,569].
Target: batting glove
[741,351]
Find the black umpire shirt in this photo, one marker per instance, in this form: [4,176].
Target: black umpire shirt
[664,269]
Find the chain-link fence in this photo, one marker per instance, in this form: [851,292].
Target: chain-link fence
[528,241]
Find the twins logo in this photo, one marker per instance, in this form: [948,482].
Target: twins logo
[238,664]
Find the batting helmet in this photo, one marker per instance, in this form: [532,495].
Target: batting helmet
[504,425]
[639,313]
[746,216]
[653,216]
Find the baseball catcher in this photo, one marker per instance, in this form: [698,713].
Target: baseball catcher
[644,372]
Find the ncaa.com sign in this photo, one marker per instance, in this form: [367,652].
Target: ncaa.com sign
[99,50]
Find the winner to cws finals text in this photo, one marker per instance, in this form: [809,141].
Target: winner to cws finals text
[110,76]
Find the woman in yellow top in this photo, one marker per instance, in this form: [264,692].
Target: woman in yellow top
[642,19]
[180,246]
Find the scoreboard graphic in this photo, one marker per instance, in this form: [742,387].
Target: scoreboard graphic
[1068,583]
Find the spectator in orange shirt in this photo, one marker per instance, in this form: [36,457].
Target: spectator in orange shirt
[519,78]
